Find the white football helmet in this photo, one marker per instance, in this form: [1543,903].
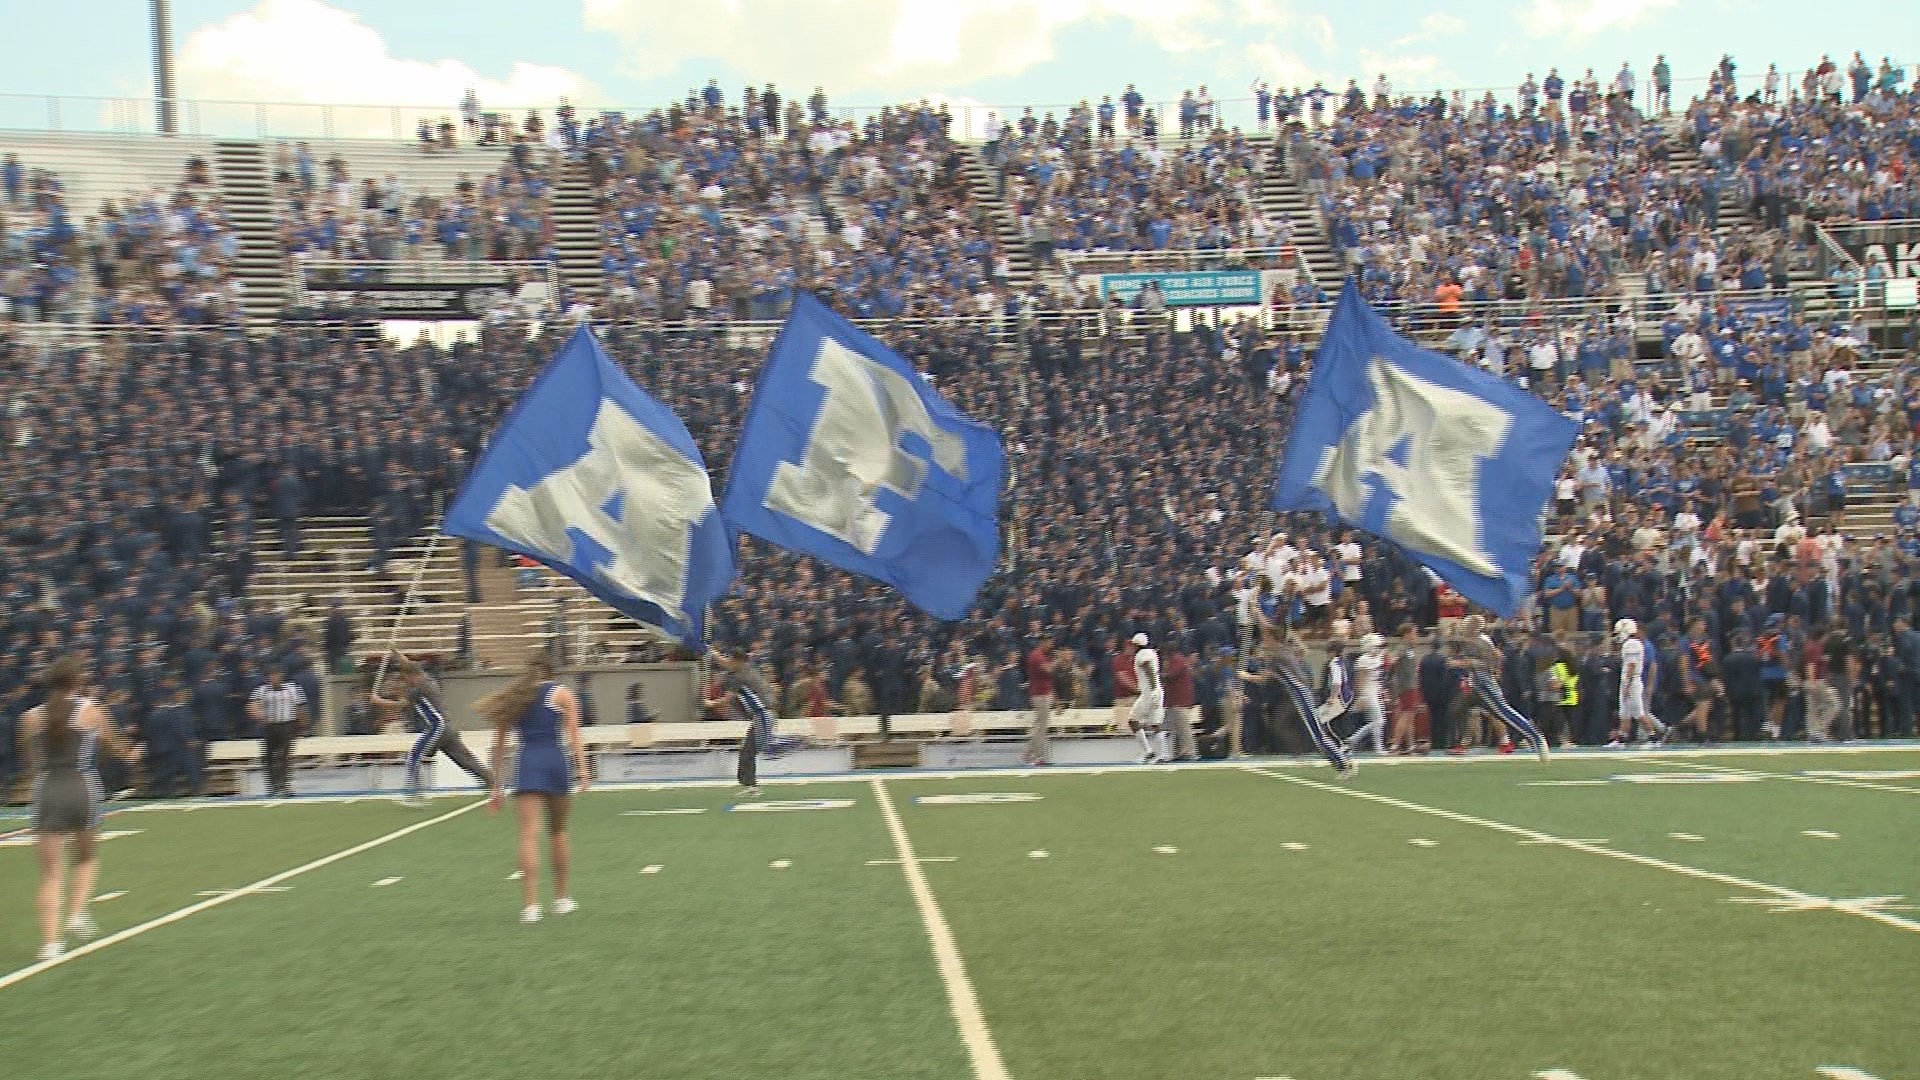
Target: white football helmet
[1625,629]
[1370,643]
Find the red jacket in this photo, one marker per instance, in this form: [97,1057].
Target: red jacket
[1039,674]
[1179,682]
[1125,684]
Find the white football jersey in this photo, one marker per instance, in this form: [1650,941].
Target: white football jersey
[1146,671]
[1366,675]
[1633,658]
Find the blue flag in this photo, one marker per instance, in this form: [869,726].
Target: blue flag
[1453,464]
[593,477]
[849,455]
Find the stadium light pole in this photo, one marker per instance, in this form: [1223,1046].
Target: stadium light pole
[163,65]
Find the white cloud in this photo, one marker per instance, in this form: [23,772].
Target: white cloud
[305,51]
[1415,74]
[1435,25]
[877,45]
[1322,32]
[1579,18]
[1282,69]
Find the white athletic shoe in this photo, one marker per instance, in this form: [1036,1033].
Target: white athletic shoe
[82,926]
[50,952]
[1616,744]
[531,914]
[565,906]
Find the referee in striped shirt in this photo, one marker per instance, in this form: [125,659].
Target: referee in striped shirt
[280,708]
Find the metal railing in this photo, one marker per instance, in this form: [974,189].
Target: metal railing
[1284,256]
[971,122]
[1646,310]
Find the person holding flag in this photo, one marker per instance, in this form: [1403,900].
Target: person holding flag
[1285,665]
[1481,659]
[419,694]
[744,695]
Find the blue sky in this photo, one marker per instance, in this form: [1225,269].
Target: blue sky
[867,52]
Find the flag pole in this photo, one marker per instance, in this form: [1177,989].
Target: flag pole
[413,588]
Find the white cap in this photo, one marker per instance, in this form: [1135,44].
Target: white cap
[1625,629]
[1371,643]
[1140,640]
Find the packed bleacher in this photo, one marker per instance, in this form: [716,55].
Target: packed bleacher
[1712,478]
[718,213]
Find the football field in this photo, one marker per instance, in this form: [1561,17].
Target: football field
[1622,917]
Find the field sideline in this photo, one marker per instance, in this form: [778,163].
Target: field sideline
[1740,914]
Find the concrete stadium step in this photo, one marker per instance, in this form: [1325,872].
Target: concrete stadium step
[1282,198]
[1006,226]
[576,235]
[246,190]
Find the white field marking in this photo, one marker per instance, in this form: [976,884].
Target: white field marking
[262,885]
[1863,774]
[1854,904]
[946,954]
[923,858]
[1690,838]
[675,812]
[1294,845]
[24,838]
[1844,1072]
[386,881]
[1555,1074]
[977,798]
[235,892]
[651,868]
[1565,783]
[1820,834]
[1807,778]
[515,876]
[780,864]
[789,805]
[106,896]
[1577,840]
[1715,776]
[1779,892]
[1166,849]
[1036,854]
[1421,841]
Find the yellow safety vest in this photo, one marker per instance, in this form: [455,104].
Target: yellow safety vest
[1569,684]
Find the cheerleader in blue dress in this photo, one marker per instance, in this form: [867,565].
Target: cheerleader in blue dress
[552,766]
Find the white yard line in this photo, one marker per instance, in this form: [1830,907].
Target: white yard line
[1832,781]
[946,955]
[208,904]
[1793,897]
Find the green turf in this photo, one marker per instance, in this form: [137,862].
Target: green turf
[1230,956]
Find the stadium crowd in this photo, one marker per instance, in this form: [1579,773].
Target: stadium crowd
[713,213]
[145,463]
